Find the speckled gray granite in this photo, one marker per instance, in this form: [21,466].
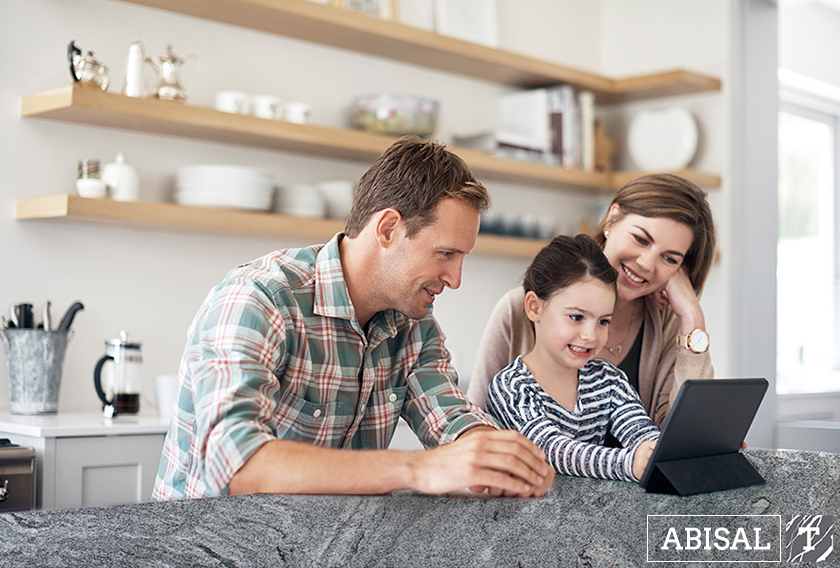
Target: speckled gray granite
[580,522]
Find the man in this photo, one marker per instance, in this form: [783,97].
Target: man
[303,354]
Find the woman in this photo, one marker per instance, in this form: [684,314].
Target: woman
[659,234]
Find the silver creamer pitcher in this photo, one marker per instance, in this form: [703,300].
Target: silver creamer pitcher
[168,67]
[86,68]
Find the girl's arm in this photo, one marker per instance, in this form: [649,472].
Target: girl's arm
[515,402]
[629,423]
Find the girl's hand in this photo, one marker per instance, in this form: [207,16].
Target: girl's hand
[678,293]
[641,458]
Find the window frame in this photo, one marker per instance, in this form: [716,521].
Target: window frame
[820,102]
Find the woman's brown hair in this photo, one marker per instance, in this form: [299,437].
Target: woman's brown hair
[672,197]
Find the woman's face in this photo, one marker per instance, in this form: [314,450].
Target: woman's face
[646,251]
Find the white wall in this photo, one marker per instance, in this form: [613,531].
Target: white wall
[754,211]
[151,282]
[652,36]
[809,39]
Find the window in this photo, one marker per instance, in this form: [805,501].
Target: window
[808,282]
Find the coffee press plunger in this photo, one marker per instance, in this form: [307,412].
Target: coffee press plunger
[126,378]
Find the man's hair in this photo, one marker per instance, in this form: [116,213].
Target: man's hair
[413,176]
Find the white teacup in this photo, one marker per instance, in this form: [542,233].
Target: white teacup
[265,106]
[297,112]
[232,101]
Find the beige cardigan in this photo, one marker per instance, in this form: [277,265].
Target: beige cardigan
[663,366]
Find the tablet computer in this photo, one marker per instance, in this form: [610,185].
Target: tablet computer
[699,448]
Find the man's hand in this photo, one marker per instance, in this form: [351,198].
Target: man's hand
[504,462]
[641,458]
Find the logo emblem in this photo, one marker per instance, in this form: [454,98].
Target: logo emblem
[809,538]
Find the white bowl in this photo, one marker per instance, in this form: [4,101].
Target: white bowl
[300,200]
[339,197]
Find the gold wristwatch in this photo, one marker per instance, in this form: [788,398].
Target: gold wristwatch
[697,341]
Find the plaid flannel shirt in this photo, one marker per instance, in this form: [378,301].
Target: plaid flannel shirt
[276,352]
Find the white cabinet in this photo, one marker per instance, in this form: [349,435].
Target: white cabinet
[84,460]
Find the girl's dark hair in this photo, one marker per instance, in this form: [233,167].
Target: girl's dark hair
[565,261]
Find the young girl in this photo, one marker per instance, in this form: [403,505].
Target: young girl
[558,395]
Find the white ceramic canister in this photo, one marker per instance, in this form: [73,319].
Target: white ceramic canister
[122,180]
[135,84]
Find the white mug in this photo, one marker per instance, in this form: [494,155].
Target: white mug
[231,101]
[297,112]
[166,389]
[265,106]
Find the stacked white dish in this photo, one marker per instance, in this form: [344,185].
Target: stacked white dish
[338,195]
[300,200]
[224,186]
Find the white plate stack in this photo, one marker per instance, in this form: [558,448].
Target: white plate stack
[301,200]
[213,185]
[339,197]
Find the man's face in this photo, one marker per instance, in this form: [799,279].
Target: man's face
[418,269]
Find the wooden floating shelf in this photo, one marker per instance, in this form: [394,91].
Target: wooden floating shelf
[85,105]
[147,215]
[354,31]
[703,179]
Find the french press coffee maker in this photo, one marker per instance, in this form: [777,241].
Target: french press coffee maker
[125,378]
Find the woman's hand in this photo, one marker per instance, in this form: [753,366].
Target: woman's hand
[678,293]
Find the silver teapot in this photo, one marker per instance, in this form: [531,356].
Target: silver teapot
[86,68]
[168,67]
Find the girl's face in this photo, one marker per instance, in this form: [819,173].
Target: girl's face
[573,324]
[646,252]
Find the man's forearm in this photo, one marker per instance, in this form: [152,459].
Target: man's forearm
[284,466]
[503,461]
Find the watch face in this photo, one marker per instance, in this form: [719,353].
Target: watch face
[698,341]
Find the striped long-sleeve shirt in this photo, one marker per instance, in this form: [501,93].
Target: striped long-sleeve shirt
[572,440]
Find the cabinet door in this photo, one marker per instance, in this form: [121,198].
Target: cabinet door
[105,470]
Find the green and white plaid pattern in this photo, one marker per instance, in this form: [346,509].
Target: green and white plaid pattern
[276,351]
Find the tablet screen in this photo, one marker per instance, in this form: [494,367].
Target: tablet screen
[709,418]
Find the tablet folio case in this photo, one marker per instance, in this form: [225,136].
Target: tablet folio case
[703,475]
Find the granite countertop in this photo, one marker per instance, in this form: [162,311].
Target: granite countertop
[580,522]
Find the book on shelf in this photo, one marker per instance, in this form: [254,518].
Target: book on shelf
[587,130]
[510,149]
[552,124]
